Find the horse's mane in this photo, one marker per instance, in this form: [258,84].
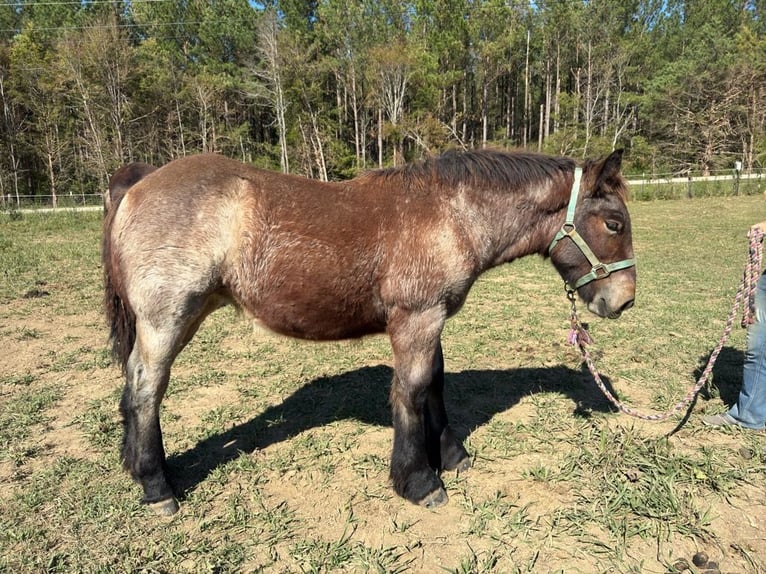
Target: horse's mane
[480,168]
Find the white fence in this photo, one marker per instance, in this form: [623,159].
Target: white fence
[675,187]
[667,180]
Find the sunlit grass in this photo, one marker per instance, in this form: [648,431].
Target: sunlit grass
[287,443]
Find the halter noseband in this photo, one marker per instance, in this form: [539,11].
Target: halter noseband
[598,270]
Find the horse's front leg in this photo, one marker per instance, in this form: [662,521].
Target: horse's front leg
[415,341]
[445,450]
[143,454]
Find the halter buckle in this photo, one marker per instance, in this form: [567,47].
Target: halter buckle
[600,271]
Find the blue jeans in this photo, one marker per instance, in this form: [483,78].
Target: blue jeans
[750,409]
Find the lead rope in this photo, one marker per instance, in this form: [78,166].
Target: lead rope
[578,334]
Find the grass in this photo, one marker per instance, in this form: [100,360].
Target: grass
[282,447]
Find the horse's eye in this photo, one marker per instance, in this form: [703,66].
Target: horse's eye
[613,226]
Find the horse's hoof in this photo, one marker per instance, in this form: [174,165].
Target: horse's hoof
[463,465]
[436,499]
[167,507]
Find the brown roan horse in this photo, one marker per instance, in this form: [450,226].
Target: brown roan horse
[392,251]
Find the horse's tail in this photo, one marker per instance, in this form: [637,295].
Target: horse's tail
[119,314]
[122,180]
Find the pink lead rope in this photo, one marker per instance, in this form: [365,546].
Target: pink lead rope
[578,334]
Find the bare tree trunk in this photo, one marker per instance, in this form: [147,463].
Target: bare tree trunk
[578,93]
[589,103]
[508,112]
[380,137]
[464,127]
[548,97]
[203,117]
[755,112]
[51,177]
[527,98]
[11,130]
[454,108]
[363,123]
[180,127]
[355,109]
[316,141]
[268,48]
[306,155]
[557,101]
[484,110]
[607,110]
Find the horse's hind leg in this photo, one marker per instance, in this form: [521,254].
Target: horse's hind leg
[143,455]
[445,451]
[415,340]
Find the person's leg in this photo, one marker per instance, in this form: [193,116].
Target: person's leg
[750,409]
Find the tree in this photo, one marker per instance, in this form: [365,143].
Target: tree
[98,60]
[270,73]
[747,86]
[321,87]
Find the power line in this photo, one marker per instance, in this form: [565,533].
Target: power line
[75,3]
[105,26]
[109,26]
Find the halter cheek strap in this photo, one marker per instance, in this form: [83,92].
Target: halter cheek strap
[598,270]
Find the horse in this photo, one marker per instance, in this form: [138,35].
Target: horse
[393,251]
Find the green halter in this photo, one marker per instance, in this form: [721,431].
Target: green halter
[598,270]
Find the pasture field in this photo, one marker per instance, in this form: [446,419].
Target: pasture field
[281,447]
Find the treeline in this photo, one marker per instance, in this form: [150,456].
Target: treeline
[326,88]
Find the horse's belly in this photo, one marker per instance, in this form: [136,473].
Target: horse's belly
[326,305]
[320,320]
[307,287]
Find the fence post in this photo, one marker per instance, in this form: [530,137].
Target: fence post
[689,193]
[737,171]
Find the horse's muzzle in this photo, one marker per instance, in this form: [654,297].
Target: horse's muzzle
[601,308]
[625,306]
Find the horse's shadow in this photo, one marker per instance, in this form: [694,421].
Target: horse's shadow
[472,399]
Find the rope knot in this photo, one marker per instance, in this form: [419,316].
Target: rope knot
[578,334]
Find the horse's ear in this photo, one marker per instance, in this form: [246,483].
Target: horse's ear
[611,166]
[609,171]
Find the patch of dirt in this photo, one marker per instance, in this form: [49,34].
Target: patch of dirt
[38,348]
[334,492]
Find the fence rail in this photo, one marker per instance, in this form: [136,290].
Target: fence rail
[45,202]
[674,187]
[668,180]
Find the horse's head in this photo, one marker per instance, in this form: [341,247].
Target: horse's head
[593,251]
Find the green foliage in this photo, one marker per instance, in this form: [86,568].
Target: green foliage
[86,87]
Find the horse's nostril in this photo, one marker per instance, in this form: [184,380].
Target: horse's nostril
[627,305]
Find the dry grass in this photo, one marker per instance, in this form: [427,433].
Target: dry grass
[282,447]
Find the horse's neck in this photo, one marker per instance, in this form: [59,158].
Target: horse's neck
[514,225]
